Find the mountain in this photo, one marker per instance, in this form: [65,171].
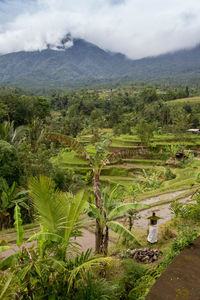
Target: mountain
[82,63]
[182,66]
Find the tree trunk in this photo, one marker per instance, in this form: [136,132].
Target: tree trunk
[99,231]
[99,238]
[106,237]
[97,192]
[130,223]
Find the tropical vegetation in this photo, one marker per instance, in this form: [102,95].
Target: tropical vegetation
[94,163]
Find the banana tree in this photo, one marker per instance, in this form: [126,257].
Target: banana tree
[98,157]
[108,216]
[9,198]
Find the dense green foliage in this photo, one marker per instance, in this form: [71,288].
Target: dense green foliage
[89,140]
[9,163]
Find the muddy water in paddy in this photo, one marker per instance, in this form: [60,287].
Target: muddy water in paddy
[88,238]
[163,211]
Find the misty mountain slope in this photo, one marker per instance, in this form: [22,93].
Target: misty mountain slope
[81,61]
[85,63]
[181,64]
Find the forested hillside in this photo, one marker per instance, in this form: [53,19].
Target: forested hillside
[85,64]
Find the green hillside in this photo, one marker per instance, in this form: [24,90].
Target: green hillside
[85,64]
[191,100]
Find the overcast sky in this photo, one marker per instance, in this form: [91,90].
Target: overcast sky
[137,28]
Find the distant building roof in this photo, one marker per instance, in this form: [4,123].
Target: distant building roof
[193,130]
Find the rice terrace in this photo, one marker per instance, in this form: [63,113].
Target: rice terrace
[98,188]
[99,150]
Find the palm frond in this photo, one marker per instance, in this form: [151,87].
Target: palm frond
[86,266]
[47,236]
[51,204]
[6,286]
[80,259]
[74,210]
[59,212]
[18,134]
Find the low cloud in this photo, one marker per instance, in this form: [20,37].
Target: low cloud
[137,28]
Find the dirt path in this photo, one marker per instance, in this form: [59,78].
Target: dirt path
[181,279]
[168,196]
[86,241]
[127,165]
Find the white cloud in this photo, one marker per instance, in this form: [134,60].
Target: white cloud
[136,28]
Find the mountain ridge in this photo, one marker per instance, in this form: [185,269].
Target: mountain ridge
[83,63]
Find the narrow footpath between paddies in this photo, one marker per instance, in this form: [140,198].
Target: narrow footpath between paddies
[181,279]
[163,210]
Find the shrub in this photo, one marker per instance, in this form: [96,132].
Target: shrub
[94,289]
[186,236]
[169,174]
[133,273]
[168,232]
[63,178]
[190,211]
[67,180]
[9,164]
[142,288]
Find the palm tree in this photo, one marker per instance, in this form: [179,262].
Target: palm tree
[50,267]
[35,134]
[11,134]
[58,212]
[111,212]
[59,218]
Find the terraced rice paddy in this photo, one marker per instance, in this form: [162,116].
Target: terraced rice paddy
[184,100]
[126,172]
[135,161]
